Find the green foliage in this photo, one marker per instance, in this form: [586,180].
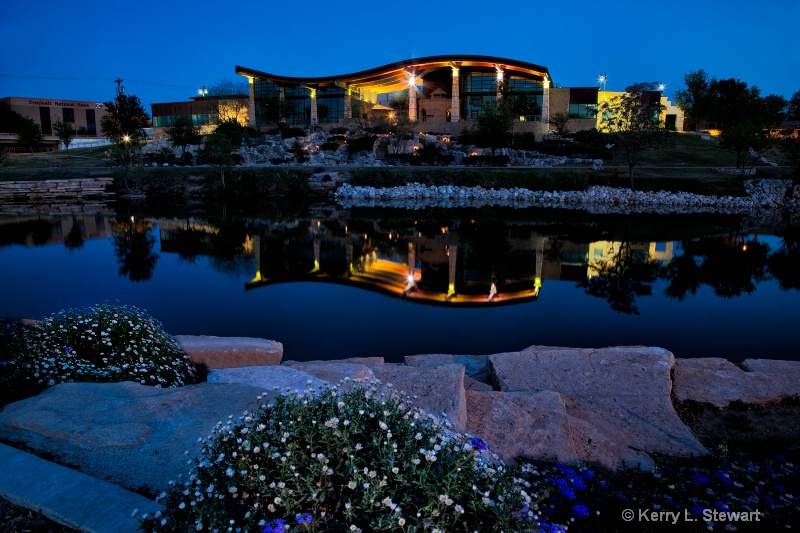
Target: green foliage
[30,134]
[790,147]
[10,120]
[218,151]
[182,132]
[231,130]
[493,128]
[633,122]
[331,146]
[270,181]
[793,107]
[360,144]
[125,120]
[559,123]
[65,132]
[358,458]
[106,343]
[299,152]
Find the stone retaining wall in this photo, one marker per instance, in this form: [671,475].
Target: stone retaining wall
[47,190]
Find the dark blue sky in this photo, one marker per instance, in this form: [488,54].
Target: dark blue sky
[164,51]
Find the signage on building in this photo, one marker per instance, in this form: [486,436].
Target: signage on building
[61,103]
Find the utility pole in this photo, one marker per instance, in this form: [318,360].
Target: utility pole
[120,88]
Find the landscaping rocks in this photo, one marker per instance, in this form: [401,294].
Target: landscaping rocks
[628,386]
[438,390]
[549,426]
[474,365]
[719,382]
[126,433]
[335,371]
[231,352]
[267,378]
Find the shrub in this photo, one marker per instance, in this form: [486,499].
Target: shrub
[342,460]
[103,343]
[332,146]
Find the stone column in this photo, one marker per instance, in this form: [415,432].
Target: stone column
[314,118]
[251,103]
[412,259]
[348,104]
[500,73]
[282,97]
[412,97]
[455,99]
[452,265]
[546,102]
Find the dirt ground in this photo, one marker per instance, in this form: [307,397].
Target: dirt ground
[15,519]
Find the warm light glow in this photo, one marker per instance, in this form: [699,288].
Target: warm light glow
[126,138]
[474,153]
[410,278]
[444,229]
[451,289]
[744,247]
[522,118]
[416,148]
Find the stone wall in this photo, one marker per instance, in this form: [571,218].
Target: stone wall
[35,191]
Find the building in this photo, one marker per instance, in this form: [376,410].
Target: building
[205,112]
[85,117]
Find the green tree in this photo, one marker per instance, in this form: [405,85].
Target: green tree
[182,132]
[232,130]
[229,99]
[30,134]
[399,105]
[793,107]
[125,120]
[790,147]
[219,152]
[559,123]
[65,133]
[494,126]
[633,120]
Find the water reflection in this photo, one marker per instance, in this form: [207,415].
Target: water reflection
[133,246]
[447,261]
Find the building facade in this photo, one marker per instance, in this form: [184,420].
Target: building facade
[85,116]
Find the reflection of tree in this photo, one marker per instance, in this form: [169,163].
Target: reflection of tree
[133,246]
[784,264]
[622,278]
[730,265]
[74,240]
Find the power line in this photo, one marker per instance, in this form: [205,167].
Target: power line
[76,78]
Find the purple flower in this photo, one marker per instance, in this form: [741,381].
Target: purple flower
[304,518]
[700,478]
[276,526]
[580,510]
[67,349]
[478,443]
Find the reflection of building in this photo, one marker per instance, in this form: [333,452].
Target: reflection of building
[602,251]
[37,231]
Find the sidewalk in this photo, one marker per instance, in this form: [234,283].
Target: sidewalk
[69,497]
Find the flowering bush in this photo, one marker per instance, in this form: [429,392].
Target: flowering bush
[343,460]
[102,343]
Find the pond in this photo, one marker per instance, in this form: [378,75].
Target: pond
[331,283]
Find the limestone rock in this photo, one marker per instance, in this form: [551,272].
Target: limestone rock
[267,378]
[628,386]
[335,371]
[231,352]
[438,391]
[547,425]
[474,365]
[719,382]
[366,361]
[130,434]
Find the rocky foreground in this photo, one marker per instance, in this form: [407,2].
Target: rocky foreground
[612,406]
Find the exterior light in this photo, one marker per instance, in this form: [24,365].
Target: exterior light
[662,86]
[602,79]
[126,138]
[202,91]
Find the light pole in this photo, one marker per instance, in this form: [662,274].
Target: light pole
[602,79]
[202,91]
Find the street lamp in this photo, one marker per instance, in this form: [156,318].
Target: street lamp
[602,79]
[661,87]
[202,91]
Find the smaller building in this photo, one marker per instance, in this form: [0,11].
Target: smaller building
[85,117]
[205,112]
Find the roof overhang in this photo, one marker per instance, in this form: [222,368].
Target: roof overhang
[397,76]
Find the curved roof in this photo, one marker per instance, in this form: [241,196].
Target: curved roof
[394,76]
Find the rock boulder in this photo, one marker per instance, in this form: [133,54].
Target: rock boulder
[231,352]
[628,386]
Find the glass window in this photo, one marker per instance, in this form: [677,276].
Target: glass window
[582,110]
[91,125]
[44,118]
[69,115]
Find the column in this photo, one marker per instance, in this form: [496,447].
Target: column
[500,72]
[314,118]
[412,260]
[452,265]
[546,102]
[455,99]
[257,255]
[412,97]
[282,97]
[348,104]
[251,103]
